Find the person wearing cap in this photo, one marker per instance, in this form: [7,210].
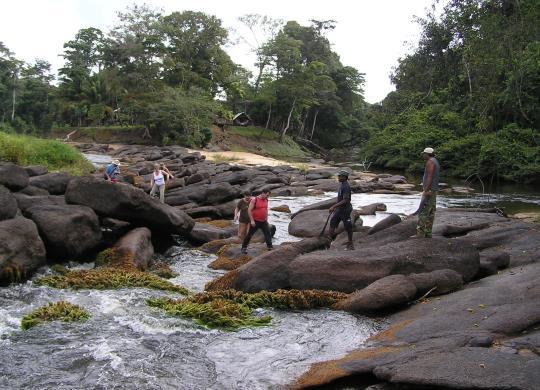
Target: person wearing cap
[341,211]
[157,181]
[430,186]
[112,171]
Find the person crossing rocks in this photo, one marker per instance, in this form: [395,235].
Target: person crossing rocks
[258,215]
[342,209]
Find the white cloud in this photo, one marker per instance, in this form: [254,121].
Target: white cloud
[370,35]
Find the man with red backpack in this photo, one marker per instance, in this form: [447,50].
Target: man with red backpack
[258,215]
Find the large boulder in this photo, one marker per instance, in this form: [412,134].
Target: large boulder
[437,282]
[26,201]
[482,337]
[13,176]
[382,294]
[322,205]
[202,233]
[8,204]
[137,246]
[68,231]
[270,271]
[21,250]
[55,183]
[34,191]
[36,170]
[370,209]
[391,220]
[352,270]
[128,204]
[310,223]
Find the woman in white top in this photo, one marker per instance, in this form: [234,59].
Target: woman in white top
[158,182]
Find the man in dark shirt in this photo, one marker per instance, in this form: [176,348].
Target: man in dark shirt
[430,186]
[342,209]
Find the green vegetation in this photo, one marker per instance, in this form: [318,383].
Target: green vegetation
[231,309]
[107,278]
[221,158]
[55,155]
[470,90]
[267,142]
[57,311]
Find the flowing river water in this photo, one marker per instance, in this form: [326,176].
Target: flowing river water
[129,345]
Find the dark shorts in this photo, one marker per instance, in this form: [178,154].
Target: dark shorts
[341,216]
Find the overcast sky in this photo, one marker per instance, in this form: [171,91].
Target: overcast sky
[370,35]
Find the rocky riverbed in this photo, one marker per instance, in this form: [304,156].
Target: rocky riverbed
[462,307]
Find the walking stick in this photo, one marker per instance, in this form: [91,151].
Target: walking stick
[326,223]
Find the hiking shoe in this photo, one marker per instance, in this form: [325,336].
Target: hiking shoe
[243,251]
[350,246]
[270,249]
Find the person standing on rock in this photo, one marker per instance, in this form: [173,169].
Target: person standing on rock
[158,182]
[341,211]
[241,214]
[430,185]
[258,216]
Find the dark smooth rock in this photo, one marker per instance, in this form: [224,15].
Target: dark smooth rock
[391,220]
[21,250]
[36,170]
[68,231]
[352,270]
[13,176]
[444,281]
[310,223]
[370,209]
[270,270]
[202,233]
[34,191]
[127,203]
[137,245]
[25,201]
[54,183]
[384,293]
[322,205]
[8,204]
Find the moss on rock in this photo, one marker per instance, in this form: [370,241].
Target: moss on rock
[54,311]
[106,278]
[231,309]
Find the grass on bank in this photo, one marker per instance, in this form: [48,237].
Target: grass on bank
[268,143]
[57,311]
[55,155]
[221,158]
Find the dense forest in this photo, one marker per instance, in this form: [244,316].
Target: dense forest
[470,88]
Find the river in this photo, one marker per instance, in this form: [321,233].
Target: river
[128,345]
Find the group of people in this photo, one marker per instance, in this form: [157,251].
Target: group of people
[251,212]
[160,176]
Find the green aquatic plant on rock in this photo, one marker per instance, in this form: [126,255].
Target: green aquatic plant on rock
[54,311]
[107,278]
[219,313]
[231,309]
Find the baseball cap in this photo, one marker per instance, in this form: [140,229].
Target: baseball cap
[343,173]
[428,150]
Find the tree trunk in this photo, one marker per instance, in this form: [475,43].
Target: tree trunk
[259,76]
[13,105]
[469,78]
[303,126]
[284,131]
[313,126]
[269,114]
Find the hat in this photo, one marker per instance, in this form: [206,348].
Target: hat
[116,162]
[343,173]
[428,151]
